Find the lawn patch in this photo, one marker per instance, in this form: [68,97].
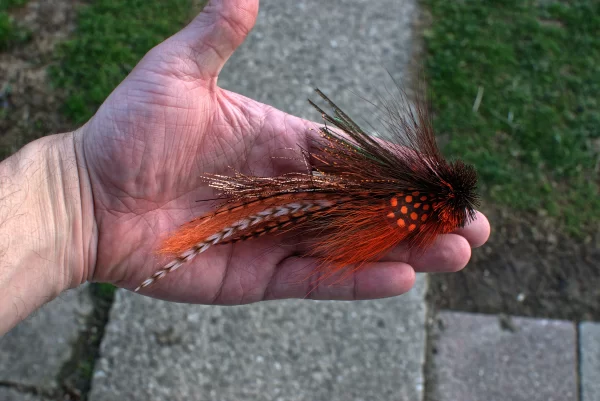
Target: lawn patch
[10,32]
[111,37]
[535,137]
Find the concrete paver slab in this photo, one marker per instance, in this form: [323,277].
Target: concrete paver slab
[33,352]
[281,350]
[481,357]
[589,349]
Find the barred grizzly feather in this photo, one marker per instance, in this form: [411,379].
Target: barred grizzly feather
[362,197]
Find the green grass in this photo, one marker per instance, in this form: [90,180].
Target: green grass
[111,37]
[535,138]
[7,4]
[104,291]
[10,32]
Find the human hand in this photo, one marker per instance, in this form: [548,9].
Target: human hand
[168,123]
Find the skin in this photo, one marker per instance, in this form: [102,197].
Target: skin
[128,177]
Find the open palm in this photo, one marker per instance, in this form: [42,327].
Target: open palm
[168,123]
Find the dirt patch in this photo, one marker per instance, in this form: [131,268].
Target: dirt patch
[29,106]
[527,269]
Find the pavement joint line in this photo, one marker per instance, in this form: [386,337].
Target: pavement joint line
[578,359]
[72,378]
[29,389]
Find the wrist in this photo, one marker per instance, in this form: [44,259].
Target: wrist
[47,230]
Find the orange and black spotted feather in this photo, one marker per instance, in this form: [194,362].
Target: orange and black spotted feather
[362,196]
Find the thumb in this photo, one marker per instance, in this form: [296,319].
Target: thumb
[216,32]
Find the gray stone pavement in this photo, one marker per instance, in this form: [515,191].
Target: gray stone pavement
[482,357]
[589,350]
[33,353]
[339,46]
[281,350]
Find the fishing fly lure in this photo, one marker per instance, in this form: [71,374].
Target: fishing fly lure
[361,197]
